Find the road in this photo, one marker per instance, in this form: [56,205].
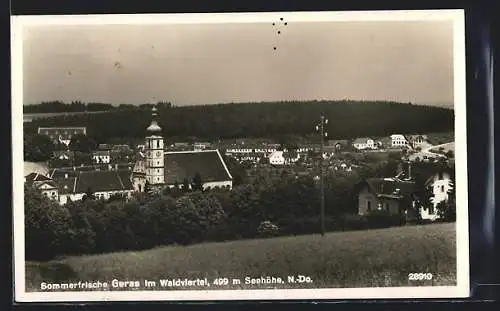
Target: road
[427,151]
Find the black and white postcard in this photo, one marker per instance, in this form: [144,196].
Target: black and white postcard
[240,156]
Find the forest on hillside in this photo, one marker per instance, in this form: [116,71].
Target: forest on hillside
[275,120]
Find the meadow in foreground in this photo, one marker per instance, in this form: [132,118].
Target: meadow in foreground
[369,258]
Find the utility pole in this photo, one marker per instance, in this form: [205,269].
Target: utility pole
[323,133]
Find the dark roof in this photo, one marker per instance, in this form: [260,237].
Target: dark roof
[101,153]
[390,187]
[49,182]
[60,173]
[32,177]
[185,165]
[66,185]
[99,181]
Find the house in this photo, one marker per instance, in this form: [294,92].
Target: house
[339,144]
[390,194]
[199,146]
[62,134]
[44,184]
[417,141]
[363,143]
[74,185]
[437,180]
[398,141]
[439,184]
[291,157]
[277,158]
[105,146]
[63,155]
[101,156]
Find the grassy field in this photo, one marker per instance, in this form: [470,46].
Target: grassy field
[382,257]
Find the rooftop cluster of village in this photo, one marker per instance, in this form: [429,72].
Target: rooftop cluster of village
[120,169]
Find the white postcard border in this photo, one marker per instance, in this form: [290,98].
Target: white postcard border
[462,288]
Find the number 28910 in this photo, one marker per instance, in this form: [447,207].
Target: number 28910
[420,276]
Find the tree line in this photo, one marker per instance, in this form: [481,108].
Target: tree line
[275,120]
[78,106]
[270,205]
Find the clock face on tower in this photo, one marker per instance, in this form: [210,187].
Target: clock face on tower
[158,153]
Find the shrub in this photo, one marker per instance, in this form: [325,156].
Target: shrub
[195,218]
[382,219]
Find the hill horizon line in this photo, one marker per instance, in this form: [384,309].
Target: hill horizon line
[333,101]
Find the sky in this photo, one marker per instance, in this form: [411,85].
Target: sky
[194,64]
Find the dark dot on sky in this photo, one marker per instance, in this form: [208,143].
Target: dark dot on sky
[274,48]
[281,19]
[286,23]
[279,32]
[274,24]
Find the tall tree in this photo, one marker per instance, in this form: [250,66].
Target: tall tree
[37,148]
[185,185]
[197,184]
[82,143]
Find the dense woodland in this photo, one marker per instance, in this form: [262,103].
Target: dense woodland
[277,120]
[78,106]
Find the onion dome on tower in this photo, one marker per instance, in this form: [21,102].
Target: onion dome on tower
[154,127]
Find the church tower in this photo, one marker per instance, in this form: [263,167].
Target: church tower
[155,167]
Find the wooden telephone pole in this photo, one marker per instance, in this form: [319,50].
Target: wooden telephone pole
[320,128]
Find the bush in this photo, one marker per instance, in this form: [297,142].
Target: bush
[382,219]
[195,218]
[353,222]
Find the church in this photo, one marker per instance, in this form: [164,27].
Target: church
[158,168]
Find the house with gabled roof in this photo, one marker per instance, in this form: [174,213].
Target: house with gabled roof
[363,143]
[405,191]
[389,194]
[62,135]
[44,184]
[73,185]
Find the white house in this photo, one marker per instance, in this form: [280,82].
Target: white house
[101,156]
[419,141]
[363,143]
[200,146]
[439,184]
[62,135]
[398,141]
[277,158]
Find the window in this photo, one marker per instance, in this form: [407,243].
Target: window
[442,188]
[387,206]
[157,144]
[369,206]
